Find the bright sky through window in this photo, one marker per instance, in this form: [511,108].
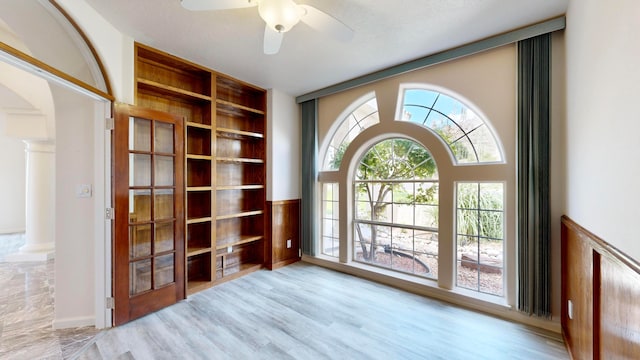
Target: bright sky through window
[469,138]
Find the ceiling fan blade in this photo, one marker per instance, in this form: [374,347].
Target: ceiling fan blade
[326,23]
[198,5]
[272,40]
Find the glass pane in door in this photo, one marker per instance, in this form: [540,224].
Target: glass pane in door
[163,138]
[163,170]
[163,273]
[140,276]
[139,205]
[139,241]
[164,237]
[139,134]
[163,204]
[139,170]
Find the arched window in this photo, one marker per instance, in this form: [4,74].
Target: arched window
[353,123]
[467,135]
[393,208]
[396,208]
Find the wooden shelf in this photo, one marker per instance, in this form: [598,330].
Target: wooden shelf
[240,214]
[240,160]
[239,132]
[199,157]
[225,145]
[239,107]
[197,251]
[242,240]
[199,220]
[199,188]
[239,187]
[198,125]
[171,91]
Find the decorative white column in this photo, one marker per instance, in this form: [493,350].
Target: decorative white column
[40,204]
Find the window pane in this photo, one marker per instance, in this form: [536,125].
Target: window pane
[403,214]
[363,117]
[469,137]
[330,231]
[426,215]
[480,240]
[464,151]
[468,222]
[485,145]
[492,196]
[386,192]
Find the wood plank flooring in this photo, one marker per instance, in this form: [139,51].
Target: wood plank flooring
[307,312]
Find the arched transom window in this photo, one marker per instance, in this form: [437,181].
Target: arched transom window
[362,117]
[468,136]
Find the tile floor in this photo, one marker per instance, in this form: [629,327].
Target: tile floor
[26,310]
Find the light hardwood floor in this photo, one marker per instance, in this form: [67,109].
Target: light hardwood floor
[307,312]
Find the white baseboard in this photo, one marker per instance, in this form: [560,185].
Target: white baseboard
[12,231]
[74,322]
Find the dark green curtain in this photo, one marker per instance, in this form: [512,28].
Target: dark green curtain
[309,118]
[534,283]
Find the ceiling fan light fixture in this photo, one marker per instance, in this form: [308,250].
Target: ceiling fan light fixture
[280,15]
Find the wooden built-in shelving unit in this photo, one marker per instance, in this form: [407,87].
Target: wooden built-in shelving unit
[225,171]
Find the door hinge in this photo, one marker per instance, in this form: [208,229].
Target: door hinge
[109,124]
[110,303]
[109,213]
[299,252]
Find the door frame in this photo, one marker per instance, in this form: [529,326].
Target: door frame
[103,233]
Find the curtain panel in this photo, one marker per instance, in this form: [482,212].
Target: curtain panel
[309,118]
[533,242]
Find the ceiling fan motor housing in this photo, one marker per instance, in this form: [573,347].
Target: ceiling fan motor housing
[280,15]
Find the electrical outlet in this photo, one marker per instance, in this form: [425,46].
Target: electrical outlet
[229,249]
[289,244]
[570,309]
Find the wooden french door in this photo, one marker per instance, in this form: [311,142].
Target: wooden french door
[148,249]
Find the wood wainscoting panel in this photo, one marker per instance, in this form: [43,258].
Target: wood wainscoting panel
[620,310]
[577,287]
[284,226]
[604,285]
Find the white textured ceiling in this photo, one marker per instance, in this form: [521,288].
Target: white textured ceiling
[387,33]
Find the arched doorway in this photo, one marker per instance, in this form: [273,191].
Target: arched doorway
[82,101]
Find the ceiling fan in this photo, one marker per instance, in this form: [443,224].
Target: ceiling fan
[280,16]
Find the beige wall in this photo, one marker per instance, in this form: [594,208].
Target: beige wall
[283,147]
[74,265]
[12,185]
[603,122]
